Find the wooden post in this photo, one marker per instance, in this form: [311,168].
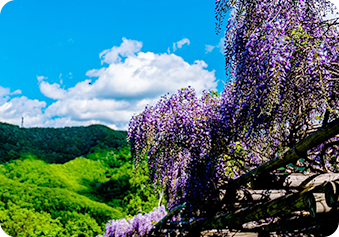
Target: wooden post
[332,193]
[320,205]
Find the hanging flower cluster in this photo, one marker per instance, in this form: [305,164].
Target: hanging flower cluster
[139,225]
[282,58]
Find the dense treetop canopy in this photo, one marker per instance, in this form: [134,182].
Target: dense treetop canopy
[57,145]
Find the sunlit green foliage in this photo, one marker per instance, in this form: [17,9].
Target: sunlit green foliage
[129,189]
[17,221]
[54,201]
[122,186]
[79,196]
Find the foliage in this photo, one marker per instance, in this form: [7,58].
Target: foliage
[130,190]
[23,222]
[53,200]
[76,197]
[57,145]
[79,196]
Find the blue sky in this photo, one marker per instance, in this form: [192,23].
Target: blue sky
[132,52]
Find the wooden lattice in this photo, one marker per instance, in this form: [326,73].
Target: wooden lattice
[296,204]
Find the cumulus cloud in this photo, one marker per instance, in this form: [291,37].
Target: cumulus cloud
[126,49]
[149,75]
[14,109]
[16,92]
[52,91]
[5,93]
[116,92]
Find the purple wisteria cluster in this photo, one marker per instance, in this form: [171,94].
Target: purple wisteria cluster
[282,59]
[181,137]
[140,225]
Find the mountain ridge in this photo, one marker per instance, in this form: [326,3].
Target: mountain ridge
[57,145]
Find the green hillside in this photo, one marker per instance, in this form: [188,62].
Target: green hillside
[57,145]
[68,196]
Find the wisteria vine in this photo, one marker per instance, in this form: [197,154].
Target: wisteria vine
[180,137]
[283,60]
[283,64]
[138,226]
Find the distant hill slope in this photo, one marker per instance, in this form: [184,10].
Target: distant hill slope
[69,181]
[57,145]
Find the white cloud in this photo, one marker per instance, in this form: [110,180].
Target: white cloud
[13,110]
[209,48]
[174,47]
[220,45]
[149,75]
[52,91]
[179,44]
[4,91]
[182,42]
[41,78]
[120,90]
[126,49]
[16,92]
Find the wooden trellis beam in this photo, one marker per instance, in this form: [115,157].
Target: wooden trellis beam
[304,200]
[287,204]
[299,223]
[293,181]
[291,156]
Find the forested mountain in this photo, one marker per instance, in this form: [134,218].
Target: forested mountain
[57,145]
[68,181]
